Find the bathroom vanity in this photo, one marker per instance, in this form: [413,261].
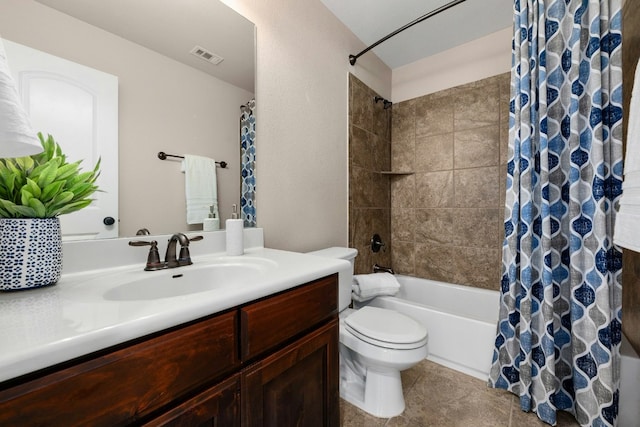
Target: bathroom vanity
[270,360]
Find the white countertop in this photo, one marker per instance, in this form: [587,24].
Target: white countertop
[46,326]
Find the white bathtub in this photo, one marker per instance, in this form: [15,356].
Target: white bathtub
[461,321]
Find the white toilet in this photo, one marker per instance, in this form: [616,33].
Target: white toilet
[375,345]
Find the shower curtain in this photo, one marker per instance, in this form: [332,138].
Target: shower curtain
[248,160]
[558,338]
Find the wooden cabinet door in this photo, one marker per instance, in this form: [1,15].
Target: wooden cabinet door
[296,386]
[217,406]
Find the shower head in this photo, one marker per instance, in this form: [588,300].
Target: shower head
[386,104]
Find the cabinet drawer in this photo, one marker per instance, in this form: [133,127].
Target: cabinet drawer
[217,406]
[121,387]
[267,323]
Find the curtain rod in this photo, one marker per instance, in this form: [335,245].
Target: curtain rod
[354,58]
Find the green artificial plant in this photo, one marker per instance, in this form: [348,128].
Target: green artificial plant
[44,185]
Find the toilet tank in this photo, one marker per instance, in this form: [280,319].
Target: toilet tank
[344,278]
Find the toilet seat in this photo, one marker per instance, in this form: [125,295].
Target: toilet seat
[386,328]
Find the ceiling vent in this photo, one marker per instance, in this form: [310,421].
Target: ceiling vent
[203,53]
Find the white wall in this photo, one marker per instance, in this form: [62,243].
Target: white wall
[302,120]
[476,60]
[163,106]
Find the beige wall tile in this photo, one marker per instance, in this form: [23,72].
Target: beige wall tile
[477,187]
[435,262]
[360,188]
[402,257]
[476,106]
[434,226]
[403,223]
[381,191]
[434,190]
[403,121]
[403,155]
[477,147]
[359,147]
[434,153]
[381,120]
[478,228]
[380,149]
[478,267]
[434,113]
[361,105]
[403,191]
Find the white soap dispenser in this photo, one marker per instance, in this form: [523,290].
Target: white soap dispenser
[211,223]
[235,234]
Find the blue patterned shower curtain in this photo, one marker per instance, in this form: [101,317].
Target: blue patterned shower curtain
[248,159]
[558,338]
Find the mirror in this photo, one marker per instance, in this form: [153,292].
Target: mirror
[168,99]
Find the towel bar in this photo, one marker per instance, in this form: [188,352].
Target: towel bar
[163,156]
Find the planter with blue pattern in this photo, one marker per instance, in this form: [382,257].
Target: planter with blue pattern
[31,252]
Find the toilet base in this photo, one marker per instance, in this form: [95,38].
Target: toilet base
[380,394]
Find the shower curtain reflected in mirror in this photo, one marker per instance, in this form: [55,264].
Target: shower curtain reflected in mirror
[558,338]
[248,160]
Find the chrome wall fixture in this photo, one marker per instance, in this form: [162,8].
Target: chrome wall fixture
[354,58]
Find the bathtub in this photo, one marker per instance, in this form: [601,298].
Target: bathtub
[461,321]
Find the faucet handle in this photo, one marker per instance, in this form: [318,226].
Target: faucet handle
[153,259]
[185,257]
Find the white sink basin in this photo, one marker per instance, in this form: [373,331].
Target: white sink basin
[221,273]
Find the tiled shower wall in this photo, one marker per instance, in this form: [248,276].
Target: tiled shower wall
[446,218]
[369,190]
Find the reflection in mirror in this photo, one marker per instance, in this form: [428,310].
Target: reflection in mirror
[77,105]
[168,99]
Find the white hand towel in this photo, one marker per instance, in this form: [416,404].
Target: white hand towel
[627,228]
[367,286]
[200,187]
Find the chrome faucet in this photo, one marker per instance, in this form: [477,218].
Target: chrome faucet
[184,258]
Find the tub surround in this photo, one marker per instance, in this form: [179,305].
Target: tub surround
[47,326]
[444,221]
[369,190]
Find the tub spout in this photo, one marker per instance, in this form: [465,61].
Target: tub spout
[380,269]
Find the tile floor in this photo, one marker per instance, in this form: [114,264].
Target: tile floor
[441,397]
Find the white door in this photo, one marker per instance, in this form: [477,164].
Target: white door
[78,106]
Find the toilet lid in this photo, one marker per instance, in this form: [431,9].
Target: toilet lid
[386,328]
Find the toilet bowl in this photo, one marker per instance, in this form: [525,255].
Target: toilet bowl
[376,344]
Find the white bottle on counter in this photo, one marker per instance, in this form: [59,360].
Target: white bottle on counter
[235,234]
[213,222]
